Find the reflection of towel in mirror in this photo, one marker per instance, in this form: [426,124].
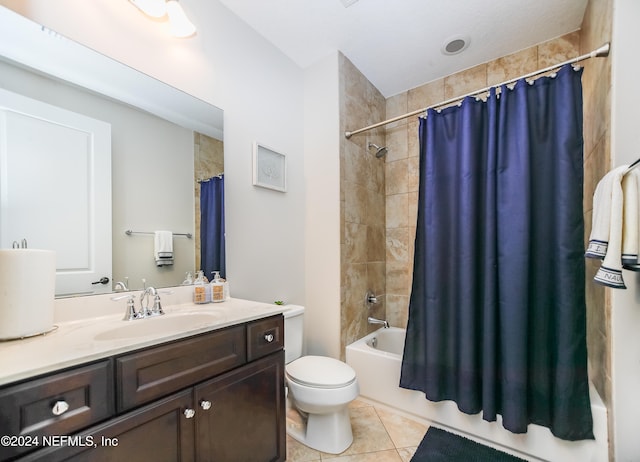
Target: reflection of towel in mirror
[606,239]
[163,248]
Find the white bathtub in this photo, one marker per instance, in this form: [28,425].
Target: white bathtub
[377,359]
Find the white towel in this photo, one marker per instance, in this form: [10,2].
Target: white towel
[606,231]
[630,221]
[163,248]
[600,218]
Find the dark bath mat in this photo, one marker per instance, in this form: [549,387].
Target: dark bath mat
[441,446]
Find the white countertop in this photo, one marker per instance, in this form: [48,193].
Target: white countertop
[78,341]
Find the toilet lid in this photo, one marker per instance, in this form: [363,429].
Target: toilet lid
[320,372]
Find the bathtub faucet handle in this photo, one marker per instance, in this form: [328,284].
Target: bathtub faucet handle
[371,299]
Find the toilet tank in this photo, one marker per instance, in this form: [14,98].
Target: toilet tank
[293,332]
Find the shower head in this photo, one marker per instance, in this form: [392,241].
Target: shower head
[381,151]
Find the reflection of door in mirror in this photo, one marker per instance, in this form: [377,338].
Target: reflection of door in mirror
[55,189]
[208,162]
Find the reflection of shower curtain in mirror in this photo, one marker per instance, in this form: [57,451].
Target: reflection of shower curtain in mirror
[212,252]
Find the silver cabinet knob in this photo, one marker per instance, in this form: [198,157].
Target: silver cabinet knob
[206,405]
[60,407]
[189,413]
[269,337]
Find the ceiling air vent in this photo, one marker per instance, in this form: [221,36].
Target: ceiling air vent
[455,45]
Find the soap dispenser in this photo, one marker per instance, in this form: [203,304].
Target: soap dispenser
[217,288]
[200,289]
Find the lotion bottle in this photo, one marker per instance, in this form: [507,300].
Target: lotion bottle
[199,289]
[217,288]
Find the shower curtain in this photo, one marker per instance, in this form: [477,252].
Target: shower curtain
[212,237]
[497,318]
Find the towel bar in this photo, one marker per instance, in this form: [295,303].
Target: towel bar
[129,233]
[632,166]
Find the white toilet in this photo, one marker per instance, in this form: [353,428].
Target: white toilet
[320,389]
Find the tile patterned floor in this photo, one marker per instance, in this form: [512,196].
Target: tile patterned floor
[379,434]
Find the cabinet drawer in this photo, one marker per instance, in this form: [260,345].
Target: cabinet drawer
[265,337]
[80,397]
[156,432]
[156,372]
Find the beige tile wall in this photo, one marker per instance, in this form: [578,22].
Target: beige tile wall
[208,161]
[596,80]
[362,203]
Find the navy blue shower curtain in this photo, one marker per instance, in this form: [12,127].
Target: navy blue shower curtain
[497,318]
[212,238]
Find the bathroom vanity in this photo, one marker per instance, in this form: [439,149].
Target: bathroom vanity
[208,392]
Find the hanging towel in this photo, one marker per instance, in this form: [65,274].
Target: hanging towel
[601,218]
[606,232]
[163,248]
[630,224]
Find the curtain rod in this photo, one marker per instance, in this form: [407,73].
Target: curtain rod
[603,51]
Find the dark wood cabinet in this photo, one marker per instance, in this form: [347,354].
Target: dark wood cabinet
[159,432]
[146,375]
[57,404]
[202,398]
[241,415]
[264,337]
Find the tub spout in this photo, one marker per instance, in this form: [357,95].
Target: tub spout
[384,322]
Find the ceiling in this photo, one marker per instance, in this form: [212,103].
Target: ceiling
[397,44]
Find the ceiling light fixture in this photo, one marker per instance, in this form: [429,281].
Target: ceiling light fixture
[159,9]
[180,24]
[154,8]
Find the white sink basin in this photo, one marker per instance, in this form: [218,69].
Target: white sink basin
[169,323]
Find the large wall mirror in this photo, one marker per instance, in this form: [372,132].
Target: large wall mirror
[162,143]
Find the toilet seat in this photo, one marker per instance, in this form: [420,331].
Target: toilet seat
[320,372]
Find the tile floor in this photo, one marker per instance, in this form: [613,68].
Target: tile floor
[379,434]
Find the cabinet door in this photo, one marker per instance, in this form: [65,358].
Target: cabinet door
[159,432]
[246,418]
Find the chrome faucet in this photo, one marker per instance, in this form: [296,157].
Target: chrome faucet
[156,310]
[130,314]
[384,322]
[145,311]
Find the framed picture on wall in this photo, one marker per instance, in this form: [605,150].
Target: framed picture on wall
[269,168]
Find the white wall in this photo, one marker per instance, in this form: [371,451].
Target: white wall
[322,176]
[625,314]
[261,92]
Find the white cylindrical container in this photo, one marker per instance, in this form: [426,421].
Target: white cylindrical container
[27,292]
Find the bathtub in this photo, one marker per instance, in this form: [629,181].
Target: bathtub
[377,359]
